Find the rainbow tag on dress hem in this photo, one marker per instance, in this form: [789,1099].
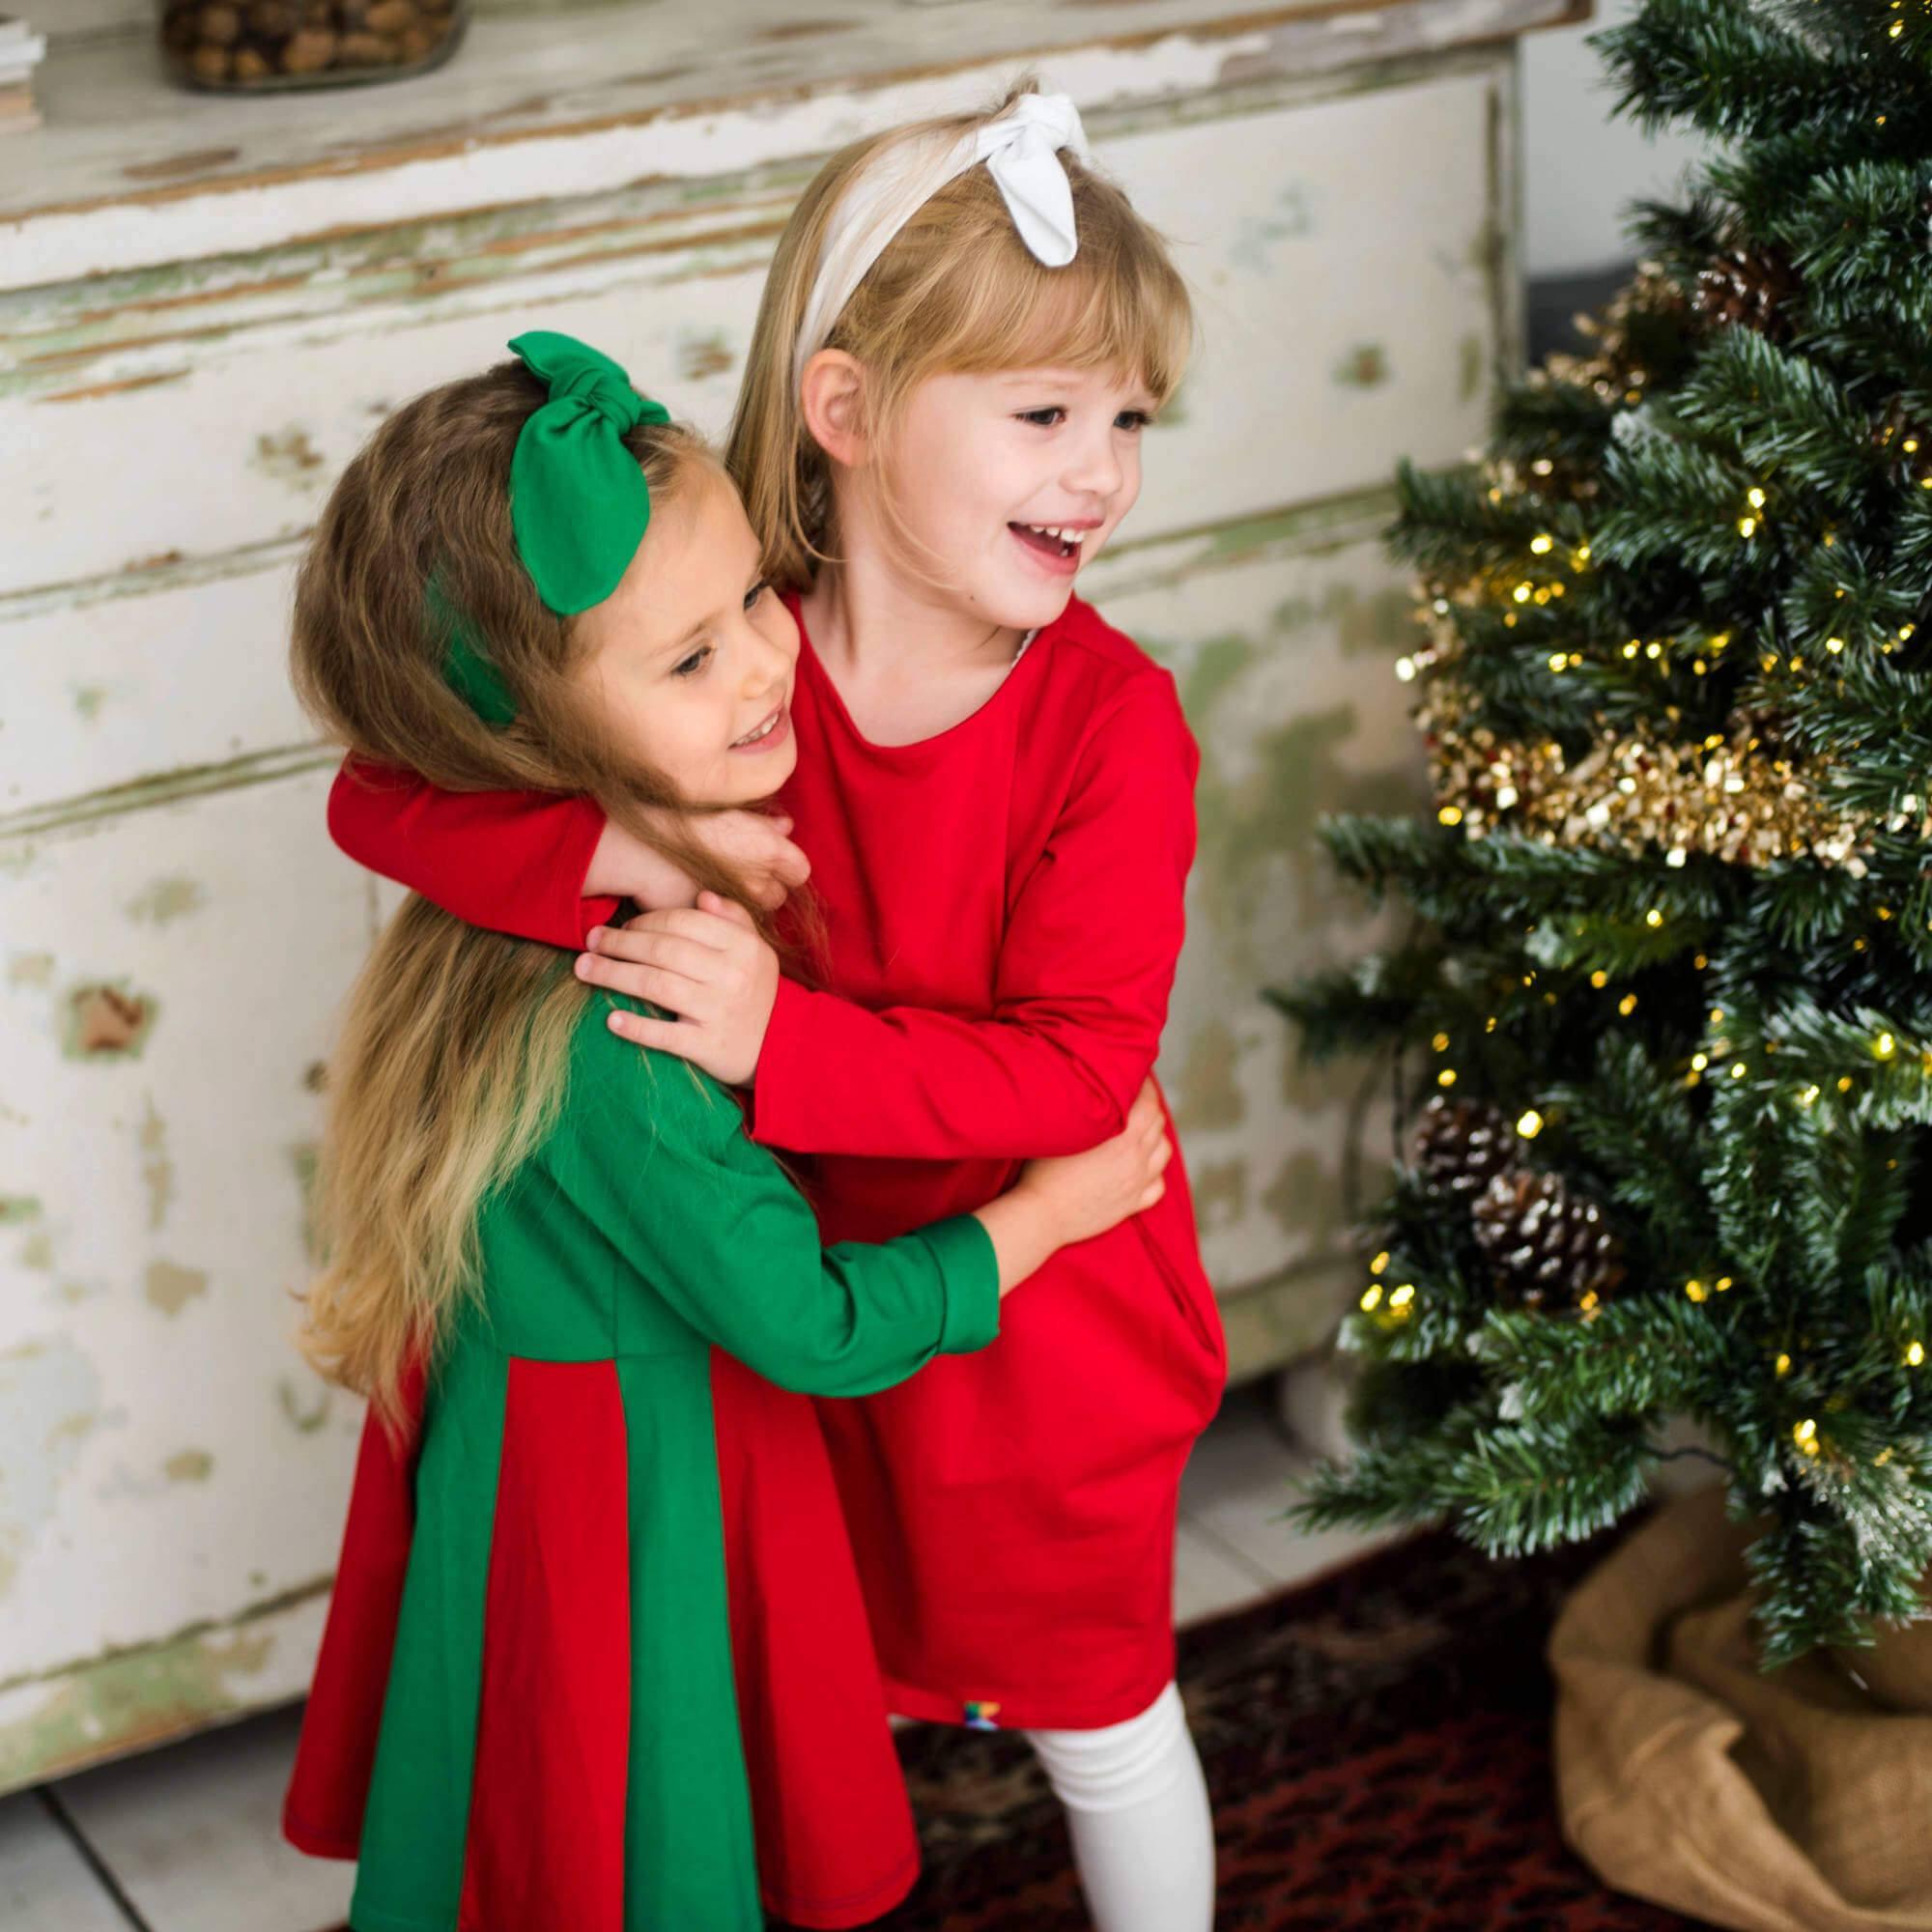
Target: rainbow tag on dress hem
[981,1716]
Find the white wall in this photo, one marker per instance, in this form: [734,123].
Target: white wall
[1579,166]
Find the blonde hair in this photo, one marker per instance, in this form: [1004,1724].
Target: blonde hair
[454,1051]
[955,292]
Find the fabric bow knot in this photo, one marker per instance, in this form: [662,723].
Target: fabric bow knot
[579,502]
[1021,153]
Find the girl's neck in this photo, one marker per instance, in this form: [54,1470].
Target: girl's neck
[907,668]
[870,627]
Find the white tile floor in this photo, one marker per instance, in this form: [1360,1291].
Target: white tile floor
[185,1839]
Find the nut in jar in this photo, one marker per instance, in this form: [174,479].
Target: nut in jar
[248,44]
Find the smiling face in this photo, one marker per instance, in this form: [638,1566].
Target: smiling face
[689,663]
[1009,482]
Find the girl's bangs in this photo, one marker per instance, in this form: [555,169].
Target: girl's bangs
[1129,317]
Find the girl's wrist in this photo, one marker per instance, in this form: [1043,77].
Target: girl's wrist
[1021,1229]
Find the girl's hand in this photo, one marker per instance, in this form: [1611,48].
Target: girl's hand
[708,965]
[755,845]
[1074,1196]
[1088,1193]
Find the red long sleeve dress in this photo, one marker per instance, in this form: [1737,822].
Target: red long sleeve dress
[1003,906]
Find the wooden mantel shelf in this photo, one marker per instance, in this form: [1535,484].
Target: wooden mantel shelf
[130,171]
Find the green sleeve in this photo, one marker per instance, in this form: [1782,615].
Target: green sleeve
[655,1153]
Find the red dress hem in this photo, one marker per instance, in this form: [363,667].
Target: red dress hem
[1023,1713]
[317,1844]
[843,1914]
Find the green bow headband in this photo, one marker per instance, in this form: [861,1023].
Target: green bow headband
[578,502]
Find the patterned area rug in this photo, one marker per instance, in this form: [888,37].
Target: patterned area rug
[1377,1749]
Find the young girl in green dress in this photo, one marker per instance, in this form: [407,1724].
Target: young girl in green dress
[505,592]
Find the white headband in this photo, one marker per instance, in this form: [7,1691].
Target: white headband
[1021,150]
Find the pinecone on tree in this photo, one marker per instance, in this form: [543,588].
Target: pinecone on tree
[1751,284]
[1548,1247]
[1462,1145]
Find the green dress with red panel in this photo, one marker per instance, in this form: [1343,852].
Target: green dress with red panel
[560,1743]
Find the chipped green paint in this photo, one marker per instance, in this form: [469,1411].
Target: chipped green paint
[1207,1094]
[131,1699]
[171,1289]
[158,1170]
[17,1208]
[1220,1193]
[1345,520]
[1258,237]
[37,1252]
[70,1429]
[1305,1202]
[1307,1089]
[701,357]
[49,332]
[188,1466]
[49,1395]
[1217,665]
[1266,820]
[289,457]
[1365,366]
[167,900]
[88,700]
[1472,354]
[1297,715]
[56,334]
[164,788]
[308,1420]
[1378,623]
[305,1157]
[1276,1320]
[104,1020]
[30,968]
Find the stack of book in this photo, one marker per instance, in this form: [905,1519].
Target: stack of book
[20,51]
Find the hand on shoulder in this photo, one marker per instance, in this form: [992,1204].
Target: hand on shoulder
[707,964]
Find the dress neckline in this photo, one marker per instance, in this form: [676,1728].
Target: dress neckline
[808,651]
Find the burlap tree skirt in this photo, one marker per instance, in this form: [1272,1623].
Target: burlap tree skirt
[1795,1803]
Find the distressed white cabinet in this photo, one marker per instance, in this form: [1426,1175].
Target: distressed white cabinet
[205,303]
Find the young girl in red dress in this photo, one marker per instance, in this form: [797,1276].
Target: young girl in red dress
[966,329]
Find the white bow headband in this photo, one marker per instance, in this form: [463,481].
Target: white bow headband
[1021,150]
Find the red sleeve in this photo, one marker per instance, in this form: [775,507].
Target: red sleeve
[511,860]
[1081,994]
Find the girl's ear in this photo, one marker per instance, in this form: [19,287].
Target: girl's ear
[832,397]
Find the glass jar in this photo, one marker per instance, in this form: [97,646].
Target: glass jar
[254,45]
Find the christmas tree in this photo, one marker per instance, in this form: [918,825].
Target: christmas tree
[1661,1026]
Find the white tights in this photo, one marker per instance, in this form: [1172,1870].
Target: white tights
[1137,1810]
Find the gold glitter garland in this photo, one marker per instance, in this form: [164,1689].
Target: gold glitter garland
[1735,798]
[1738,797]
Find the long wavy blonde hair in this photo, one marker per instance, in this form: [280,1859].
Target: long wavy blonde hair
[955,292]
[454,1049]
